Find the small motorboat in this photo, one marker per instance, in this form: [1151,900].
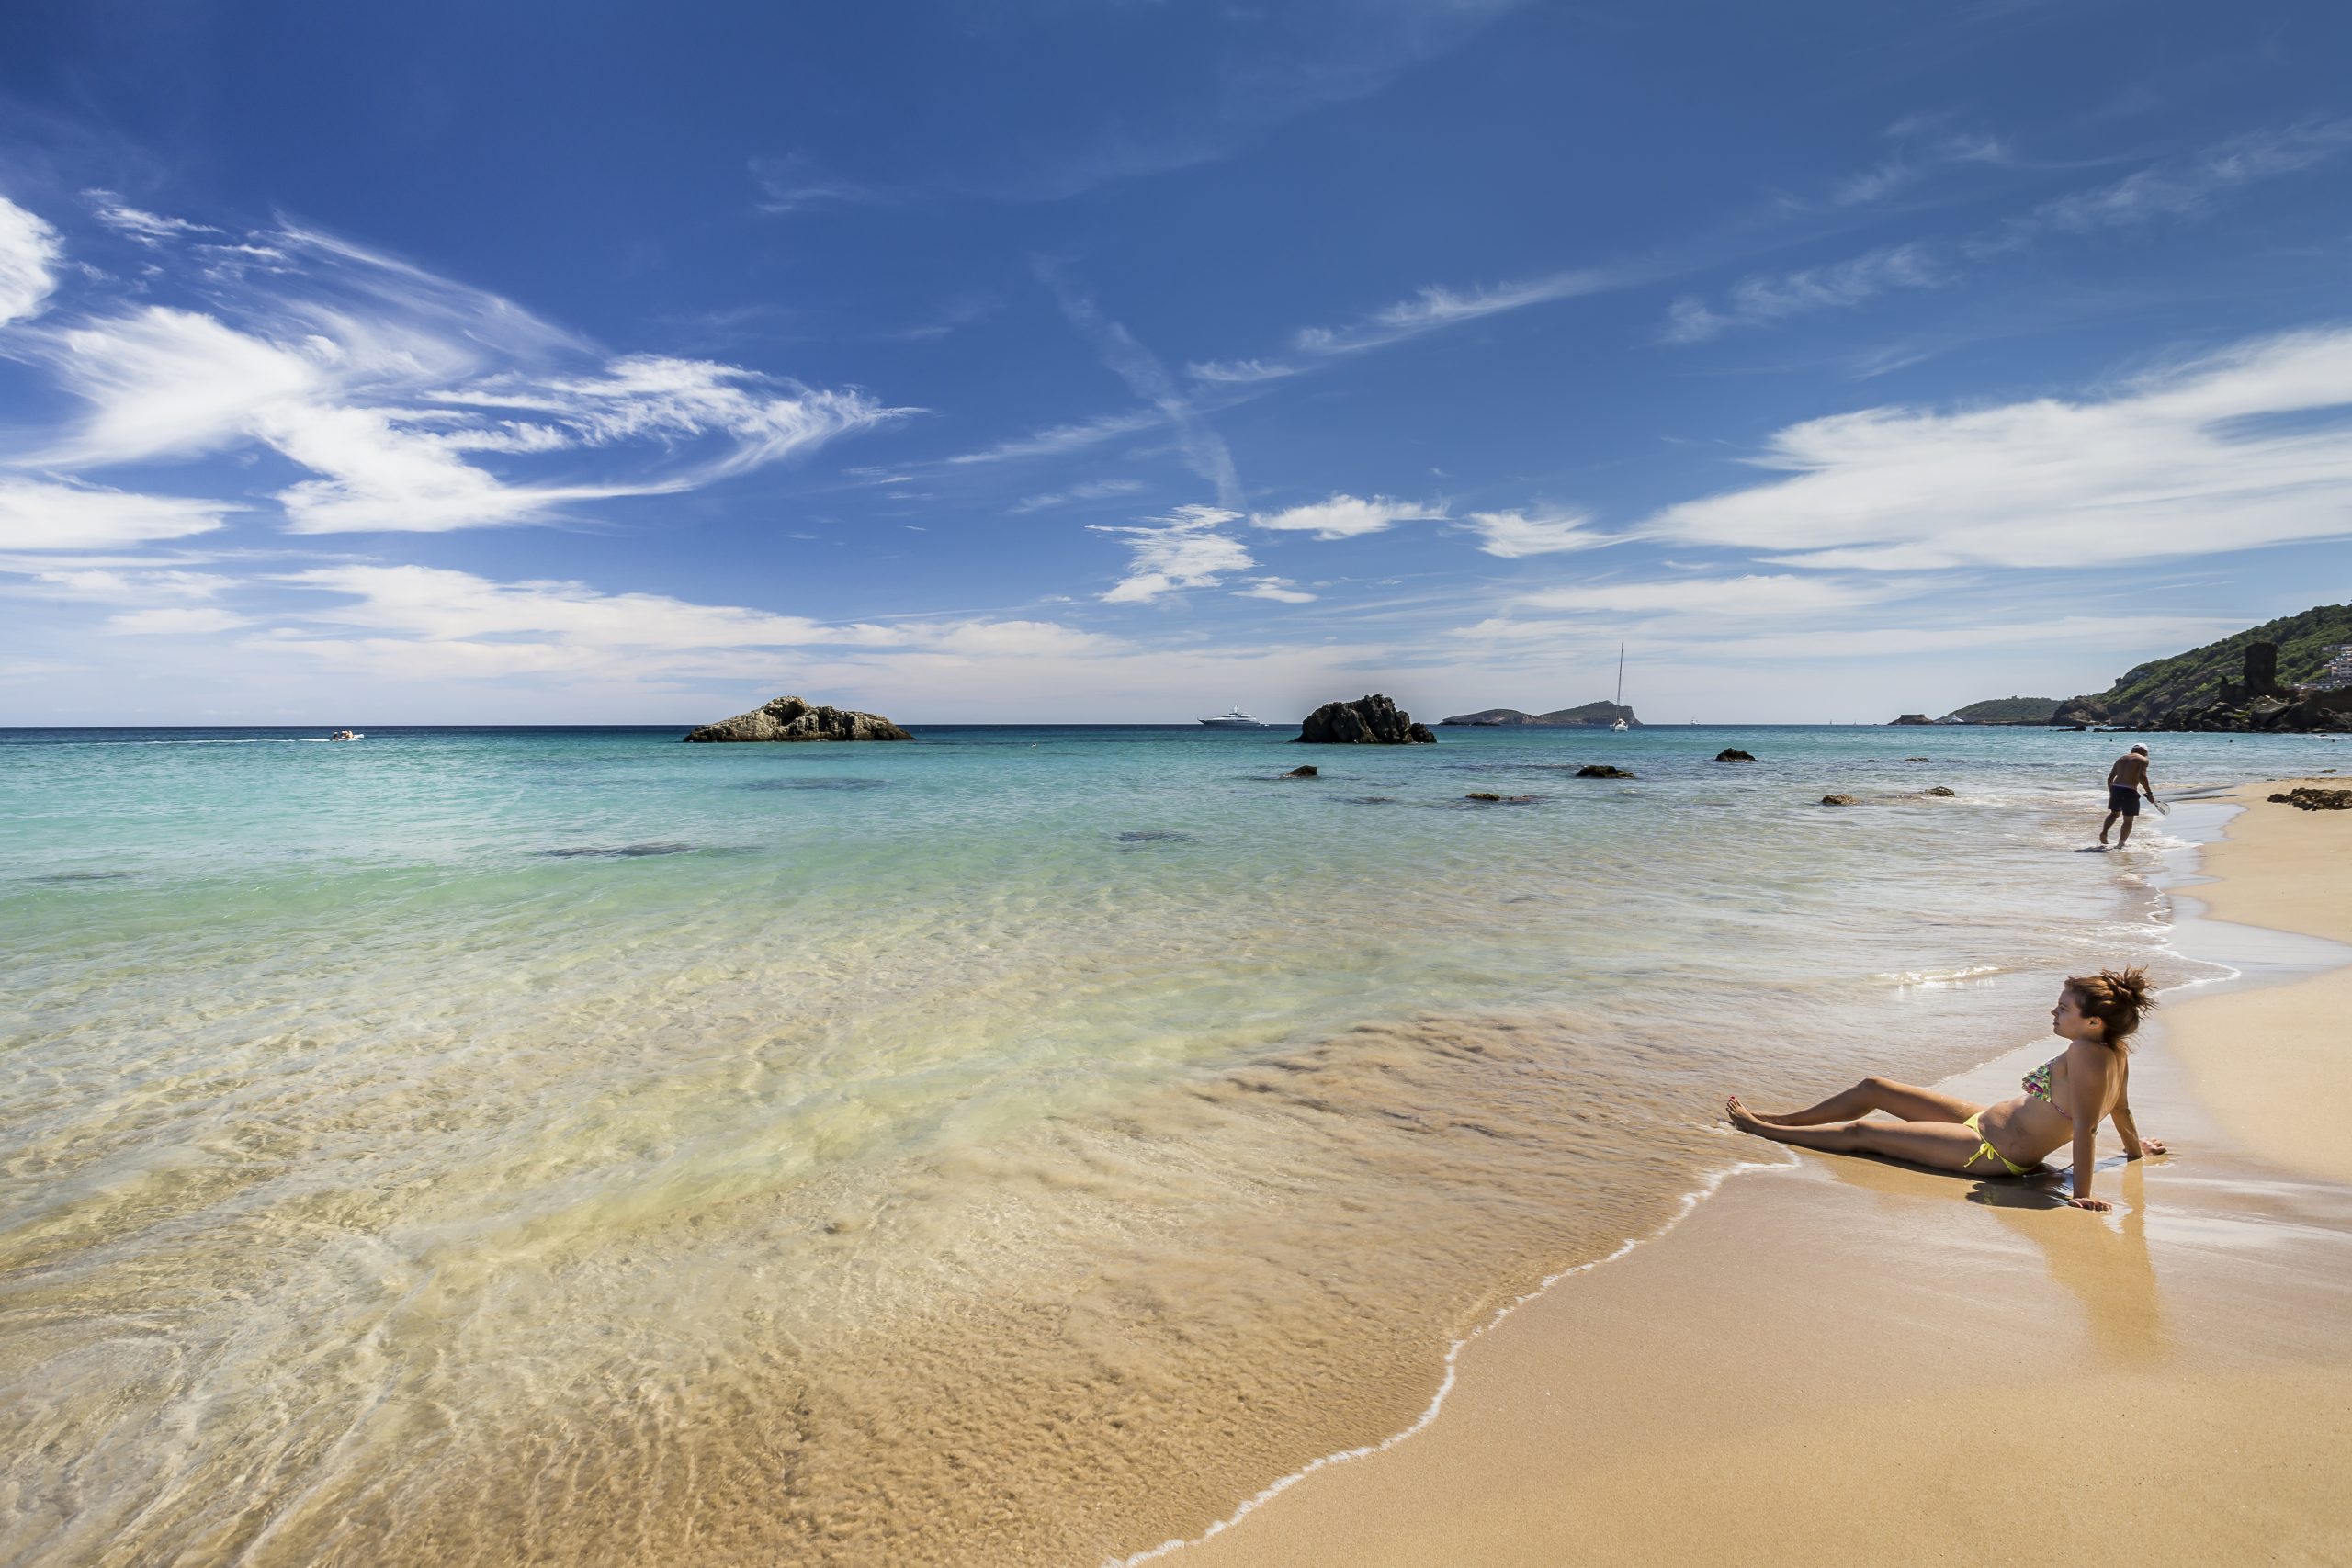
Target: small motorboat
[347,735]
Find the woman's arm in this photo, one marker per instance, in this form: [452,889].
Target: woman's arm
[2126,1129]
[2087,1069]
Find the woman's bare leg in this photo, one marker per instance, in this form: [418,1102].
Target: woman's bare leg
[1943,1146]
[1911,1103]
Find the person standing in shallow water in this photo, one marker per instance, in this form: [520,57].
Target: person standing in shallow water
[2126,782]
[2065,1101]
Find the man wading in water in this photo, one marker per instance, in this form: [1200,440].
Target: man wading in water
[2126,782]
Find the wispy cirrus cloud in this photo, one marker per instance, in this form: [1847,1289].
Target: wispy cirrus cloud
[1092,490]
[148,228]
[794,182]
[2180,188]
[2239,450]
[1435,307]
[417,403]
[1147,378]
[1057,439]
[1760,301]
[1182,549]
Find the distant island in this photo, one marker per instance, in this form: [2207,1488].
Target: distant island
[2293,674]
[2005,710]
[1592,716]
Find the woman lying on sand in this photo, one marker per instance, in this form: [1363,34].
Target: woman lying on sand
[2066,1097]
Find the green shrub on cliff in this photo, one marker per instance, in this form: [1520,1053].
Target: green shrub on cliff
[2191,678]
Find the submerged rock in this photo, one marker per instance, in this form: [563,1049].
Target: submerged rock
[1838,800]
[1305,770]
[1918,758]
[1732,754]
[1603,771]
[1492,799]
[1367,721]
[789,718]
[1939,789]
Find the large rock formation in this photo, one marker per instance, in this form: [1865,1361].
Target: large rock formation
[1591,715]
[789,718]
[1367,721]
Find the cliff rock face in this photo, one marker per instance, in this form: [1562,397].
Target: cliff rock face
[1591,715]
[1367,721]
[2253,704]
[789,718]
[2294,673]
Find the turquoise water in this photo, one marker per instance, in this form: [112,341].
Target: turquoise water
[1016,1145]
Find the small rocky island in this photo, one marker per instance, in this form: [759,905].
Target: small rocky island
[1367,721]
[789,718]
[1591,715]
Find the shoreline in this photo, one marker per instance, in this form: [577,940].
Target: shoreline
[1497,1479]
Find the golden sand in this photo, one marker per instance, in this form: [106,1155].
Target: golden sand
[2276,1067]
[1848,1361]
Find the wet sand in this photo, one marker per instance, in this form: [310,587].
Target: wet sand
[1842,1360]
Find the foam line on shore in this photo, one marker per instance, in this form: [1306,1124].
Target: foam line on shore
[2191,850]
[1690,1202]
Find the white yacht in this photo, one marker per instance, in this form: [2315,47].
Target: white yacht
[1620,725]
[1233,718]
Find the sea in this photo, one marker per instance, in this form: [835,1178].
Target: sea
[488,1146]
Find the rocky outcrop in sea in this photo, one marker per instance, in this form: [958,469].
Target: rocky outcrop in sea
[1367,721]
[789,718]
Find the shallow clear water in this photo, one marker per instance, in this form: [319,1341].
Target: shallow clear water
[1015,1146]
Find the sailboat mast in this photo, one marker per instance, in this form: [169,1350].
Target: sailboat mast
[1620,674]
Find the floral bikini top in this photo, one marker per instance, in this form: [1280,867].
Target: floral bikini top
[2037,1084]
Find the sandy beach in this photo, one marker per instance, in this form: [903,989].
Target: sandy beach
[1841,1360]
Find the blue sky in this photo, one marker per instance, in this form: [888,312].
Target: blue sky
[1039,359]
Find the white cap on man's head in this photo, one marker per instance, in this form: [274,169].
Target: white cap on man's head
[2142,750]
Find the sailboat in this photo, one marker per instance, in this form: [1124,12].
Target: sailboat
[1620,725]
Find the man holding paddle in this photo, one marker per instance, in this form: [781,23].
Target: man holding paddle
[2126,782]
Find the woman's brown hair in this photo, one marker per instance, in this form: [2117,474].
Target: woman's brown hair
[2117,997]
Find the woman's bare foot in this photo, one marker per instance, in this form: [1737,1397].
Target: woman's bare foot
[1744,1119]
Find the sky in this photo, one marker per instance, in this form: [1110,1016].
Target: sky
[1120,360]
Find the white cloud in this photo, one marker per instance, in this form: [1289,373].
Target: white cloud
[382,378]
[1063,437]
[37,515]
[1182,549]
[1901,170]
[414,622]
[1515,534]
[1278,589]
[147,227]
[1239,371]
[1755,301]
[1346,516]
[175,622]
[29,258]
[2219,454]
[1739,597]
